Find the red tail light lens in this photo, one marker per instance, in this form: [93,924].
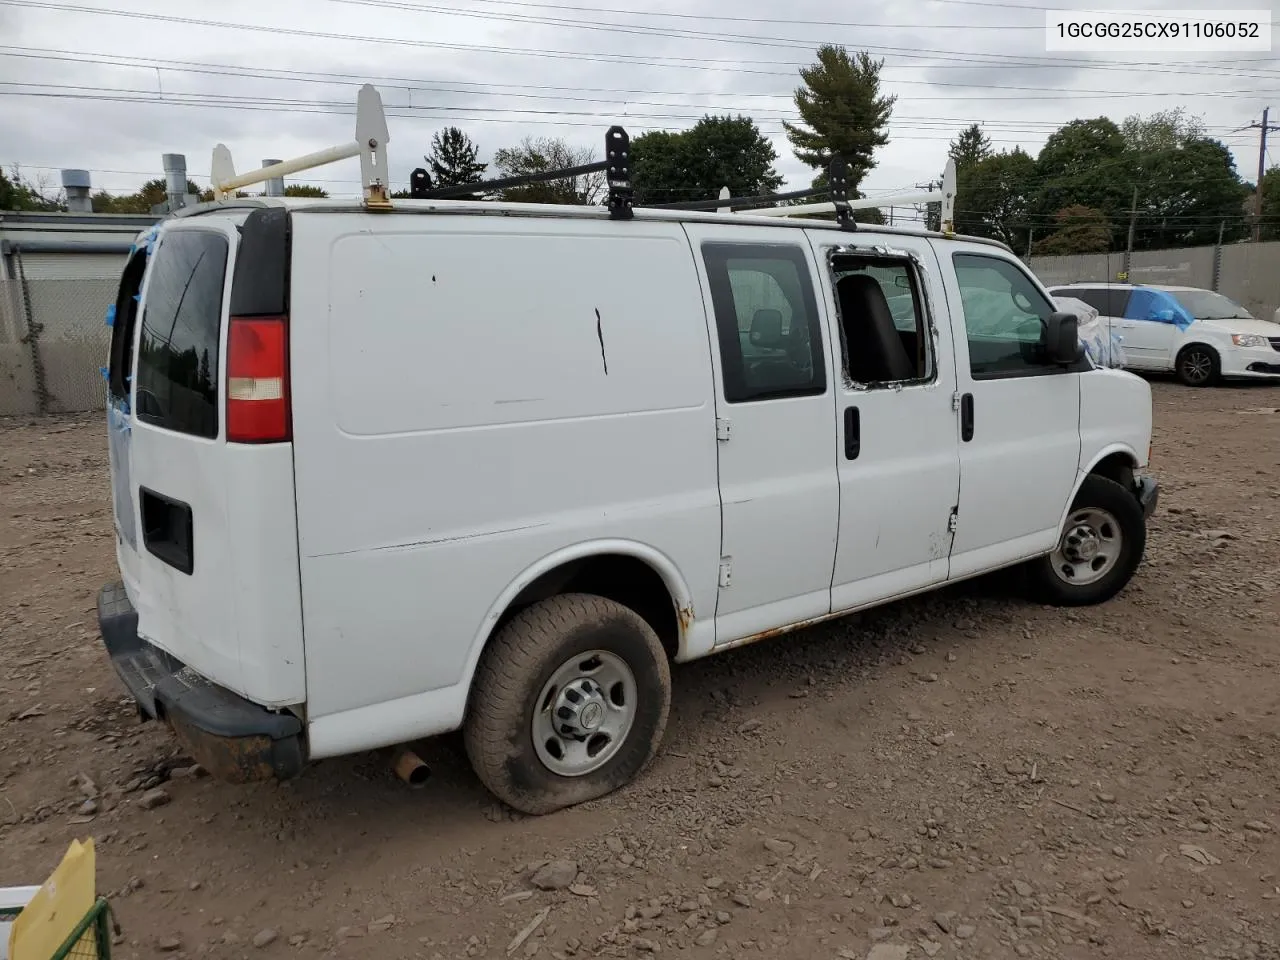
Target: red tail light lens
[258,380]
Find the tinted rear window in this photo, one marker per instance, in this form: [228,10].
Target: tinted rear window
[177,385]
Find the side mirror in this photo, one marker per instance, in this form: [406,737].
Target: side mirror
[1062,339]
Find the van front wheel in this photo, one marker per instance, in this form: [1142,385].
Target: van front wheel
[1099,547]
[570,702]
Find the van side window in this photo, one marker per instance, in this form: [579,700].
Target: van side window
[123,326]
[1117,302]
[1109,302]
[181,326]
[1005,318]
[767,318]
[1095,297]
[883,331]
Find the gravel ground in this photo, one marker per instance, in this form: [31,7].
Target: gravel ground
[963,775]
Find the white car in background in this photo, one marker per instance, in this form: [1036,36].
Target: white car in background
[1198,335]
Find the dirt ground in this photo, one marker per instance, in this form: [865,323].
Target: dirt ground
[963,775]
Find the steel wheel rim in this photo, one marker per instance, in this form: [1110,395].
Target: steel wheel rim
[583,713]
[1196,366]
[1089,547]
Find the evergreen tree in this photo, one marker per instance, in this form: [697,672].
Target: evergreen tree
[842,111]
[970,146]
[453,159]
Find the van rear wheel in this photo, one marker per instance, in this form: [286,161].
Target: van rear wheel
[1099,548]
[569,703]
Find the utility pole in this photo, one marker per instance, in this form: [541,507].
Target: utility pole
[1133,223]
[1262,129]
[1133,219]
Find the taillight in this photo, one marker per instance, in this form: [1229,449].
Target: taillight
[258,380]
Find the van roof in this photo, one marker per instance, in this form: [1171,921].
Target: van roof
[558,211]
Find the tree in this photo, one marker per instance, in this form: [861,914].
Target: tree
[970,146]
[304,190]
[1271,204]
[1084,163]
[1187,187]
[542,154]
[453,159]
[842,111]
[993,197]
[152,193]
[1163,130]
[18,193]
[694,164]
[1080,230]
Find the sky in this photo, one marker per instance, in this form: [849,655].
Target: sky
[111,88]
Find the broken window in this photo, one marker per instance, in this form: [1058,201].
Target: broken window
[884,329]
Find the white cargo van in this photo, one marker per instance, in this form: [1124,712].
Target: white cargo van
[385,470]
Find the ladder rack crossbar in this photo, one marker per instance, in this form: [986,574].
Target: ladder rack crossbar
[369,144]
[371,138]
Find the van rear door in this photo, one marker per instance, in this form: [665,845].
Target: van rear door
[206,528]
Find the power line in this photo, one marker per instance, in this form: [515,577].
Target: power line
[528,4]
[259,74]
[467,113]
[699,63]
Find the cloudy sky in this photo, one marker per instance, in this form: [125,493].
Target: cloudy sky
[110,88]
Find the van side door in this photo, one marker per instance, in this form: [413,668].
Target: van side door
[1148,339]
[1019,414]
[899,456]
[775,426]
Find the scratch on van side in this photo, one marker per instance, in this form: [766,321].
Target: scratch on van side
[600,336]
[431,542]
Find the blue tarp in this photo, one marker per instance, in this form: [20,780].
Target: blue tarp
[1157,306]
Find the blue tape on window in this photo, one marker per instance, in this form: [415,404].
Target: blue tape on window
[137,298]
[111,315]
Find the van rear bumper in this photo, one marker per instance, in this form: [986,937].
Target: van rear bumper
[235,739]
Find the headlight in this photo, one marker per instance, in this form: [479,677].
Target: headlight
[1249,340]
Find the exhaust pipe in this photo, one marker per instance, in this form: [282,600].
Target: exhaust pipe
[408,766]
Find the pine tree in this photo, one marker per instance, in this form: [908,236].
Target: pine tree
[453,159]
[842,111]
[970,146]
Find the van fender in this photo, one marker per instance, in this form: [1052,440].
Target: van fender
[1107,451]
[656,559]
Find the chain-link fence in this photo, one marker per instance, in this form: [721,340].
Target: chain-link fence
[53,342]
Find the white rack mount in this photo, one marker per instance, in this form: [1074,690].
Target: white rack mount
[370,145]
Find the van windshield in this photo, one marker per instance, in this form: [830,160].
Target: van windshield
[177,385]
[1207,305]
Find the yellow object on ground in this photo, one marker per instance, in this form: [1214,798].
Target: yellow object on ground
[56,910]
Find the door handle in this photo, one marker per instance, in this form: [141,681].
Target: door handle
[966,417]
[852,433]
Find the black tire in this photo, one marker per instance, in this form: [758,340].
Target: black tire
[520,660]
[1198,366]
[1051,586]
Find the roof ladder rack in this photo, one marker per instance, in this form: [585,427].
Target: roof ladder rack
[843,206]
[370,145]
[616,167]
